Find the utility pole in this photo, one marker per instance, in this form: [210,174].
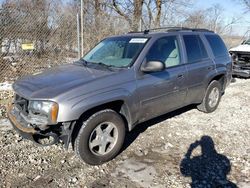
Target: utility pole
[82,28]
[141,24]
[78,36]
[1,30]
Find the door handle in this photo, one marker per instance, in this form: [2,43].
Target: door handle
[180,76]
[210,68]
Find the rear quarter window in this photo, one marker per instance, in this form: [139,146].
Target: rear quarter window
[217,45]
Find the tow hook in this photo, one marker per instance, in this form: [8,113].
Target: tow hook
[47,139]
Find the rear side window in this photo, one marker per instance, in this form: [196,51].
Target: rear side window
[217,45]
[195,48]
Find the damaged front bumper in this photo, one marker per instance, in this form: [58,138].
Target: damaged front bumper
[52,135]
[241,70]
[241,64]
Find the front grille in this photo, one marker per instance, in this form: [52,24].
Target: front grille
[22,104]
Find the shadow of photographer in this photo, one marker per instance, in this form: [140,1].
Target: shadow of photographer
[208,170]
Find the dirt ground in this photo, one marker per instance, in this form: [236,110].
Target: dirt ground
[179,149]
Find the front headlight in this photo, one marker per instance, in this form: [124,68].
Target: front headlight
[44,108]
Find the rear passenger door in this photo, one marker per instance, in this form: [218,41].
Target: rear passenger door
[221,57]
[199,65]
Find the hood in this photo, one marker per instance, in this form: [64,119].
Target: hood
[53,82]
[241,48]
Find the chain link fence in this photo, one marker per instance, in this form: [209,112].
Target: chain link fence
[35,35]
[39,34]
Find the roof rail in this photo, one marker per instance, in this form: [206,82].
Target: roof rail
[144,32]
[180,29]
[169,29]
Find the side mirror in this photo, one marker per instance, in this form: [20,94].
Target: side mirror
[153,66]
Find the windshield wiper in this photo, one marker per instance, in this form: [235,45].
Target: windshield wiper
[105,65]
[101,64]
[84,62]
[113,66]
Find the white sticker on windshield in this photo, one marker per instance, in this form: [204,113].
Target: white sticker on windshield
[138,40]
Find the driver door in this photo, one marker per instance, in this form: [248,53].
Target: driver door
[164,91]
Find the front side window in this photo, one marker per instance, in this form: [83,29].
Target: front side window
[116,52]
[165,50]
[195,48]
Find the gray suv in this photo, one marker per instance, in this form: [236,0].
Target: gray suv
[121,82]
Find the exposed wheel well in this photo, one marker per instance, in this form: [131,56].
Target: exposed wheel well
[220,78]
[114,105]
[117,106]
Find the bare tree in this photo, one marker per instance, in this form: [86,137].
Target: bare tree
[51,24]
[215,17]
[26,20]
[195,19]
[247,4]
[159,13]
[131,11]
[211,18]
[154,11]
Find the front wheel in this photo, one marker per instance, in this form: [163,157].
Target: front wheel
[212,97]
[101,137]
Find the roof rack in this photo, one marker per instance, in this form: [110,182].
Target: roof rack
[172,29]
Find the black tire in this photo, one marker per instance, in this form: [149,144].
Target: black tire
[205,105]
[82,142]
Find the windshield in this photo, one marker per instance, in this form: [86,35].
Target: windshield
[247,42]
[116,52]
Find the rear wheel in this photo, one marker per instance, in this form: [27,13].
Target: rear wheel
[212,97]
[100,137]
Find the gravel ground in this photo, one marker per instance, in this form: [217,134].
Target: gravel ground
[180,149]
